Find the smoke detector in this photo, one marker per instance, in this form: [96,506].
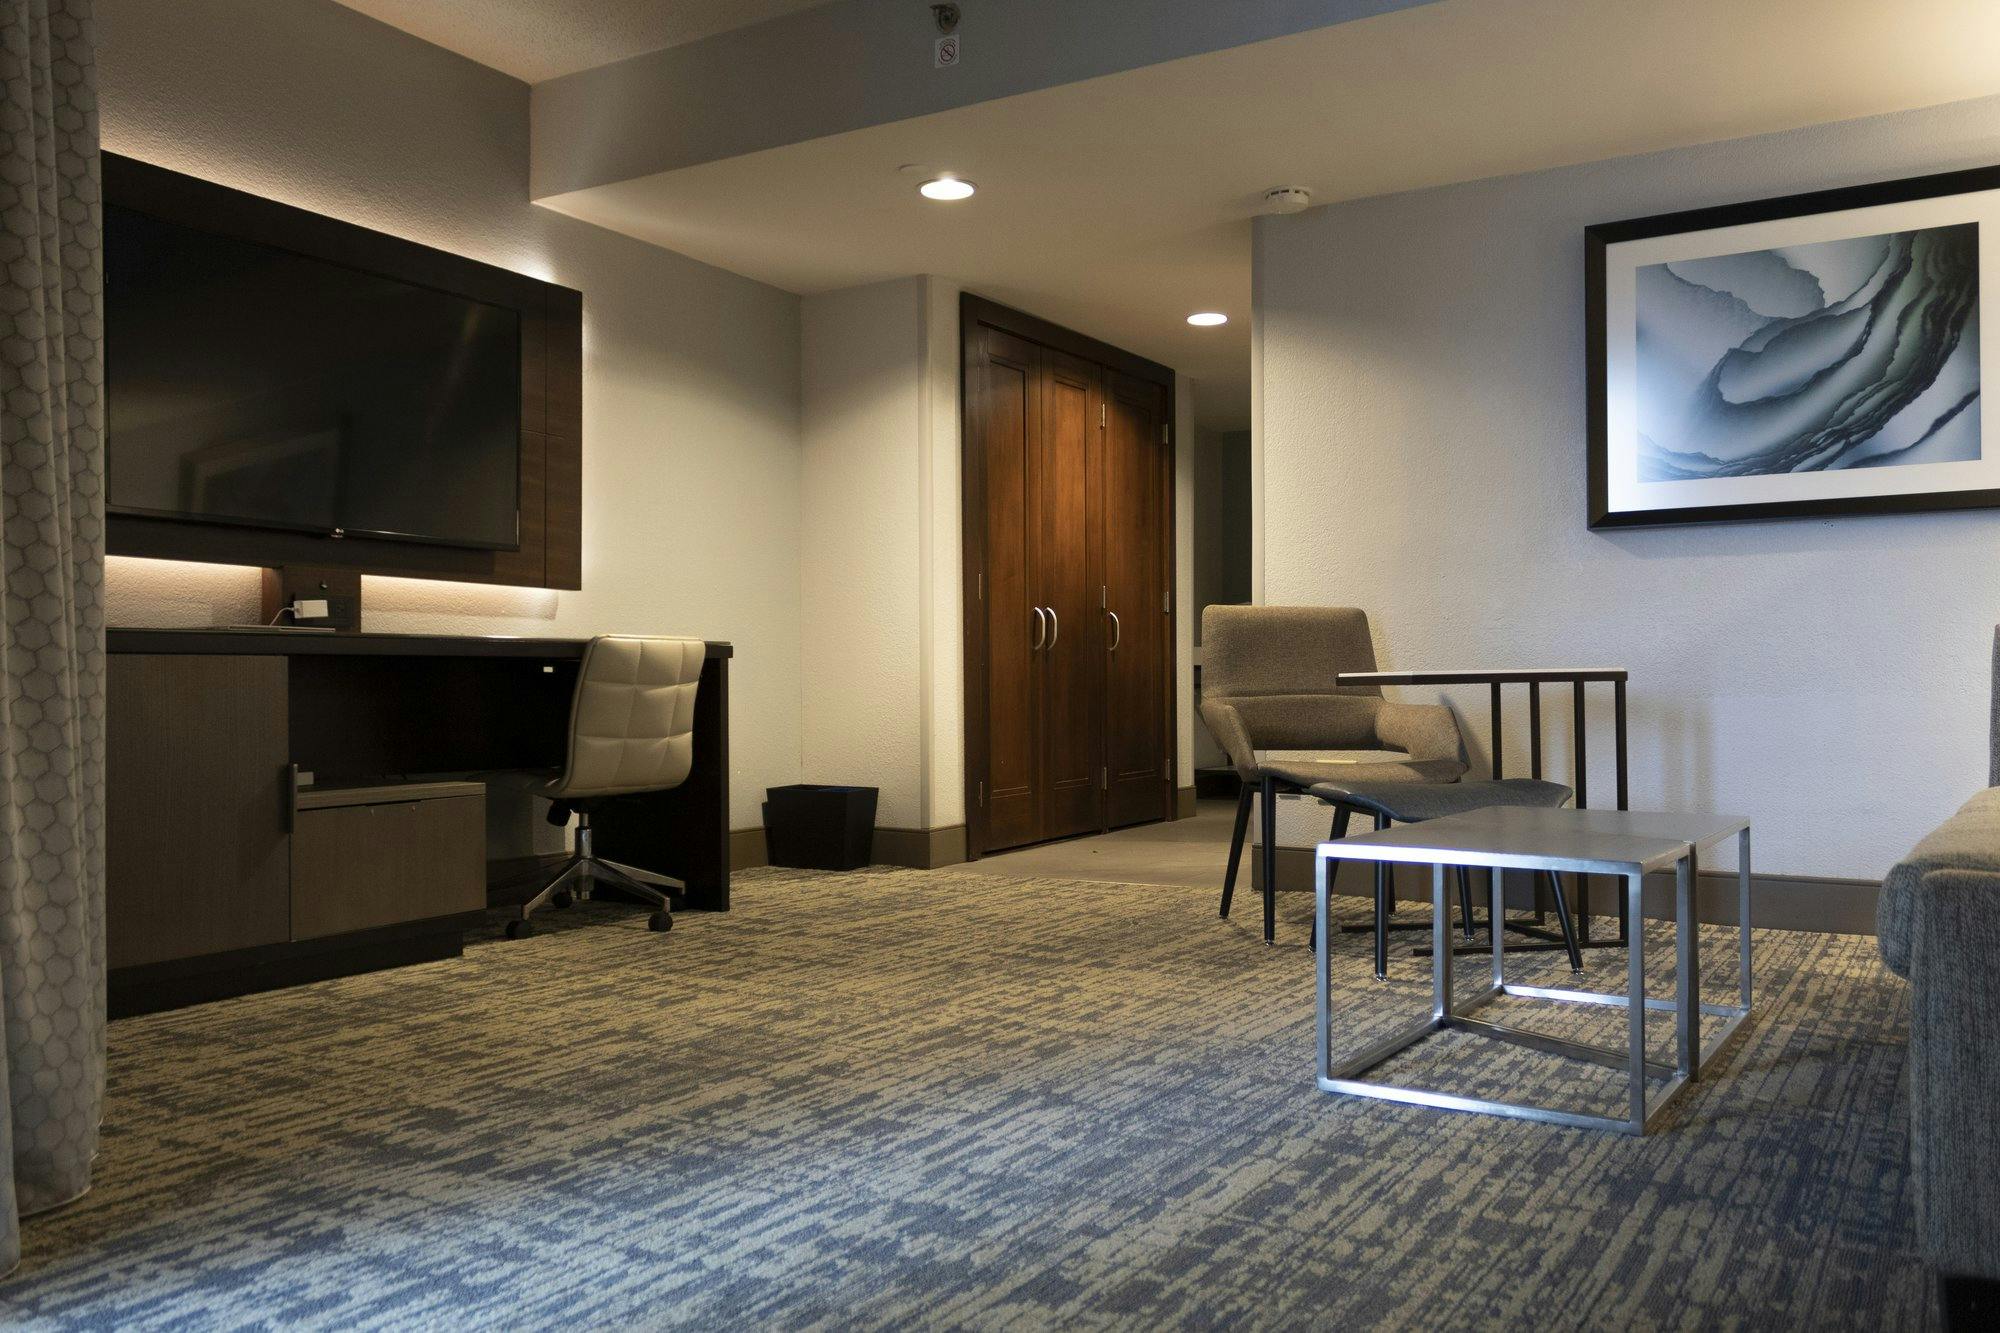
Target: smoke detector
[1287,199]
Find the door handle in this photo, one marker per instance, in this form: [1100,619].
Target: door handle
[1041,629]
[1117,632]
[1055,627]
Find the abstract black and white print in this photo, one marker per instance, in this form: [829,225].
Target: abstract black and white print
[1821,357]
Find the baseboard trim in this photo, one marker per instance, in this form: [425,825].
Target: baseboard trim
[1184,803]
[923,849]
[747,850]
[1779,902]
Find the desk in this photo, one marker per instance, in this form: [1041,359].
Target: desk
[205,728]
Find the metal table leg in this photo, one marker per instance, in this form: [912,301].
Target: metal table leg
[1635,1008]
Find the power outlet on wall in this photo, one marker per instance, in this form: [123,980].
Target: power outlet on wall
[312,598]
[323,610]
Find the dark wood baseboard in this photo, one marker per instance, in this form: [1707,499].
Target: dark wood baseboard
[1780,902]
[1184,803]
[747,849]
[153,987]
[924,849]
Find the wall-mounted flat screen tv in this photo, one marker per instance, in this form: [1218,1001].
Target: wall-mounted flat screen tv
[248,384]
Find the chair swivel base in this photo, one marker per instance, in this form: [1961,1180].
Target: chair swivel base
[573,883]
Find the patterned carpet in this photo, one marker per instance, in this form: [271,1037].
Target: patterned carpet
[907,1098]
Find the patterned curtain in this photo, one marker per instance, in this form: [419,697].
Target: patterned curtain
[51,609]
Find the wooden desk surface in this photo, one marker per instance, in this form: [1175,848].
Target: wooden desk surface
[301,643]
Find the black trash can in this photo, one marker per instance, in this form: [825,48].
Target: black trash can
[816,827]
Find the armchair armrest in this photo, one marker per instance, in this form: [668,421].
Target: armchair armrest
[1968,842]
[1226,725]
[1422,731]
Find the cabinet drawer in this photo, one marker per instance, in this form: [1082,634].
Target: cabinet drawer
[359,866]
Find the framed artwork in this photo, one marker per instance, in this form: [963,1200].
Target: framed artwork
[1816,354]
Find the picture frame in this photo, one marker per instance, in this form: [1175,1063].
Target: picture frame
[1805,356]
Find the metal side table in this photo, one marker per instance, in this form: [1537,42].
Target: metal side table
[1628,844]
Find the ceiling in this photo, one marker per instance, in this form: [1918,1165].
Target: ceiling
[544,39]
[1119,204]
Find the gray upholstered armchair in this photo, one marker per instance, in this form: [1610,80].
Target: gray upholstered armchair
[1938,924]
[1267,681]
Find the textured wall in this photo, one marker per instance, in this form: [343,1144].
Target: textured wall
[691,375]
[1422,455]
[862,351]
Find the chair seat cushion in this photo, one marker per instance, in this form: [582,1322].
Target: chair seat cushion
[1412,803]
[1391,770]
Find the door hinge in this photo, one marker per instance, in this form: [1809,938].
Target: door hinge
[982,793]
[1103,416]
[980,595]
[1167,602]
[1103,597]
[1166,435]
[1104,778]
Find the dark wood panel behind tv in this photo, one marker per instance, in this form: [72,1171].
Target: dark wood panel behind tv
[551,551]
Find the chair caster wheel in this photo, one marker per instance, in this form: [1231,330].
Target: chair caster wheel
[660,921]
[563,899]
[520,930]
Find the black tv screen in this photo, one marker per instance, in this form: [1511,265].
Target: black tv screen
[249,384]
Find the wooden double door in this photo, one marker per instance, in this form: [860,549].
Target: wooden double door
[1069,561]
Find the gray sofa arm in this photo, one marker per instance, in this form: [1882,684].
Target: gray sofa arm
[1969,840]
[1954,969]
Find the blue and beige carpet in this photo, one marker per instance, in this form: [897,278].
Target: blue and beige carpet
[941,1100]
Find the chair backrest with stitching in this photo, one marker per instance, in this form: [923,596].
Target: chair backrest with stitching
[1285,650]
[1275,666]
[631,721]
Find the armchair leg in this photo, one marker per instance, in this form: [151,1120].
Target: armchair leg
[1383,906]
[1268,815]
[1341,814]
[1568,923]
[1243,799]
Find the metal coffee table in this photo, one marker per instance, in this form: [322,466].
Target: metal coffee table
[1626,843]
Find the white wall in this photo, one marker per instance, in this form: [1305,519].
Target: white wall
[943,596]
[863,400]
[691,375]
[1421,454]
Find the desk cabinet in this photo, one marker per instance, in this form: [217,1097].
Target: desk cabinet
[217,885]
[197,845]
[376,858]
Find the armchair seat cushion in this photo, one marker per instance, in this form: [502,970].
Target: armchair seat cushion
[1408,803]
[1385,767]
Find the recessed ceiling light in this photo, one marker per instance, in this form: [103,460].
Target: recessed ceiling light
[946,187]
[1207,319]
